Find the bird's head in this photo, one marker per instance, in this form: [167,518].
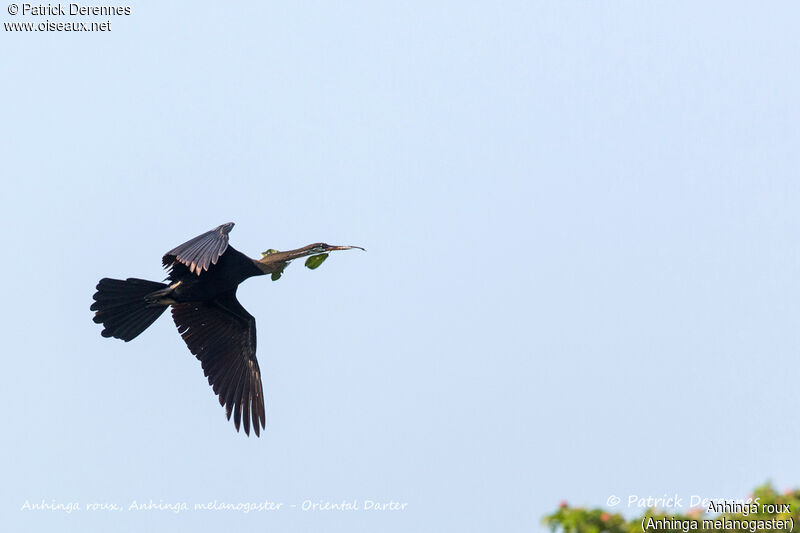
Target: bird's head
[322,248]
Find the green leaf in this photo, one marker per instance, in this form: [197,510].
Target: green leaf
[316,260]
[268,252]
[277,275]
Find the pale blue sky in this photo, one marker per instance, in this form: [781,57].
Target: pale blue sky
[581,277]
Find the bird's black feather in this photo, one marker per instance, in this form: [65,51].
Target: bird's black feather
[201,252]
[222,335]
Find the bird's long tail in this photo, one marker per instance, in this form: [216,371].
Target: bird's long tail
[122,308]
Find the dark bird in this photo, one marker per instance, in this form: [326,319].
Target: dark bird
[204,274]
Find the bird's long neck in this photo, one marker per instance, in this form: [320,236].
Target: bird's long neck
[277,261]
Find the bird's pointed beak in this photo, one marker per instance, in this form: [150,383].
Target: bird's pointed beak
[333,248]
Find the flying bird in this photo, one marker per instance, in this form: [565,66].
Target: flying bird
[203,276]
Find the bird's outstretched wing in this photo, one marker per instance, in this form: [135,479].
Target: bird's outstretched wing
[201,252]
[222,334]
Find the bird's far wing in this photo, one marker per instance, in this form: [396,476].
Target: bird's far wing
[222,334]
[201,252]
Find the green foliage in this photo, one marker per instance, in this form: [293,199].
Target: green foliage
[316,260]
[770,506]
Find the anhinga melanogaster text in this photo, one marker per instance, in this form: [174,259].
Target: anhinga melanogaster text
[204,274]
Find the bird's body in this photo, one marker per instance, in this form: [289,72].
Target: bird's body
[204,274]
[232,268]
